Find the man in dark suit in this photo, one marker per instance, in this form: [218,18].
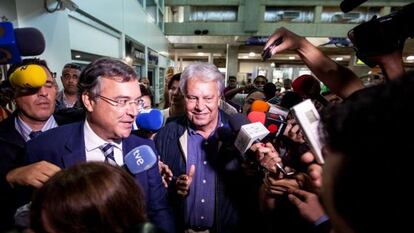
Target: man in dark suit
[33,115]
[110,94]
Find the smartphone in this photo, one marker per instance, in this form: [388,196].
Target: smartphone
[308,119]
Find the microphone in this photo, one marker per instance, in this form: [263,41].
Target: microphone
[18,42]
[275,123]
[140,159]
[308,86]
[248,133]
[260,106]
[150,120]
[348,5]
[28,76]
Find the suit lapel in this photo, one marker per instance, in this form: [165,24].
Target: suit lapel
[75,147]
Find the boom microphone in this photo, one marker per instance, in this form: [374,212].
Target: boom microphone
[18,42]
[348,5]
[140,159]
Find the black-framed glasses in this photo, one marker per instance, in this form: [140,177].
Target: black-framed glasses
[122,103]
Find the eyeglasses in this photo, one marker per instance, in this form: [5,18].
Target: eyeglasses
[122,103]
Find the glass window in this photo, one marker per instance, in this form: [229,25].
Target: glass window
[359,15]
[289,14]
[213,13]
[174,14]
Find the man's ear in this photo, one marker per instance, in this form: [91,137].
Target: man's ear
[88,101]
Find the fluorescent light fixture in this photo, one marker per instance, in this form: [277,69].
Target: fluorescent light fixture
[252,54]
[339,59]
[78,56]
[410,58]
[128,59]
[292,58]
[245,57]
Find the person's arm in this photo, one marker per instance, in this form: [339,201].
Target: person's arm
[391,64]
[339,79]
[35,174]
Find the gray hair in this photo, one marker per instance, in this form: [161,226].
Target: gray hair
[203,71]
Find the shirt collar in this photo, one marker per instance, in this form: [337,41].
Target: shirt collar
[192,131]
[24,129]
[93,141]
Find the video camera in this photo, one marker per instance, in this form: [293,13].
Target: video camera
[383,35]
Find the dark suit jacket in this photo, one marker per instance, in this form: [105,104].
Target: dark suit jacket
[11,156]
[65,146]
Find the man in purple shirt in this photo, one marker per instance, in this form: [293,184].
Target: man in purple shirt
[208,192]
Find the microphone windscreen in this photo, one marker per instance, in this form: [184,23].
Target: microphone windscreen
[260,106]
[30,41]
[237,120]
[151,120]
[140,159]
[257,117]
[29,76]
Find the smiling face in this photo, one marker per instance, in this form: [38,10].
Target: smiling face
[37,105]
[201,103]
[108,121]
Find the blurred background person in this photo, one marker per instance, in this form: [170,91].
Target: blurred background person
[176,99]
[68,97]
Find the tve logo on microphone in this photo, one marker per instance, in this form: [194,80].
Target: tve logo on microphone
[140,159]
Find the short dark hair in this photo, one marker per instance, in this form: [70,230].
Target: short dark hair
[72,66]
[89,197]
[90,78]
[145,91]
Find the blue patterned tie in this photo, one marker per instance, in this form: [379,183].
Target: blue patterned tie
[108,151]
[34,134]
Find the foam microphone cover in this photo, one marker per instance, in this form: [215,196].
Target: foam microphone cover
[30,41]
[151,120]
[257,117]
[140,159]
[260,106]
[29,76]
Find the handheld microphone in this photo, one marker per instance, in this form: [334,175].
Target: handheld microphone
[275,123]
[28,76]
[348,5]
[18,42]
[260,106]
[140,159]
[248,133]
[150,120]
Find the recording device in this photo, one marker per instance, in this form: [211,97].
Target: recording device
[28,76]
[140,159]
[266,54]
[275,123]
[308,118]
[262,106]
[18,42]
[249,133]
[383,35]
[150,120]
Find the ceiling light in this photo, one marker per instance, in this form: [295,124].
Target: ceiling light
[245,57]
[128,59]
[252,54]
[292,58]
[339,59]
[79,56]
[200,53]
[410,58]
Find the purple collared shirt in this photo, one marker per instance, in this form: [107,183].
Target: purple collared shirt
[200,202]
